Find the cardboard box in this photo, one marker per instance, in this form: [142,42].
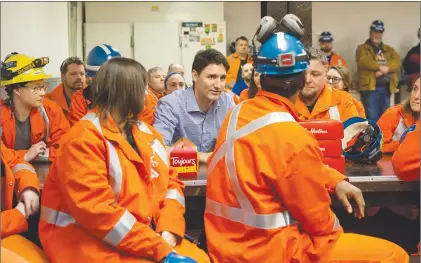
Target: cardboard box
[330,148]
[337,163]
[184,158]
[325,130]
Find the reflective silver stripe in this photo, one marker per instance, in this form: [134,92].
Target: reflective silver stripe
[336,224]
[22,166]
[400,129]
[114,166]
[123,226]
[106,49]
[261,221]
[143,127]
[174,194]
[334,113]
[245,214]
[160,150]
[115,171]
[274,117]
[45,118]
[55,217]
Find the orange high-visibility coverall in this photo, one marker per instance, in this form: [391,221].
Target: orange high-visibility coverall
[337,60]
[332,104]
[360,108]
[406,159]
[19,175]
[244,95]
[267,198]
[101,197]
[57,95]
[48,124]
[79,108]
[393,124]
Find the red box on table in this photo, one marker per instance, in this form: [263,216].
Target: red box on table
[184,158]
[337,163]
[331,148]
[325,130]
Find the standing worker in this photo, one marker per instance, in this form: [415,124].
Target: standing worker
[32,125]
[111,196]
[262,203]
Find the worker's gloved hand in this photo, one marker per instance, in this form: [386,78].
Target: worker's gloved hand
[175,258]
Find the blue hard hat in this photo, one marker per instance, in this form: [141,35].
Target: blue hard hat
[377,26]
[282,54]
[98,56]
[325,37]
[366,143]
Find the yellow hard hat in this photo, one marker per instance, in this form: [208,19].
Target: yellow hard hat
[18,68]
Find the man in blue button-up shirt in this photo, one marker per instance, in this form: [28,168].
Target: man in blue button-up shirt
[197,112]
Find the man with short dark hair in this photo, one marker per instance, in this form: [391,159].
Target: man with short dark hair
[73,79]
[197,112]
[237,60]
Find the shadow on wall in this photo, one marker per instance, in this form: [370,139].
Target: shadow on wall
[52,84]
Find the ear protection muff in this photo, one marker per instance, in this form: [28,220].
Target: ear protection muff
[293,25]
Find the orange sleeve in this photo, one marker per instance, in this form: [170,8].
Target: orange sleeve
[306,198]
[78,108]
[12,222]
[59,125]
[348,108]
[244,95]
[360,108]
[23,172]
[83,180]
[406,159]
[387,124]
[148,113]
[171,217]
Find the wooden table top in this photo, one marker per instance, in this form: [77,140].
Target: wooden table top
[379,177]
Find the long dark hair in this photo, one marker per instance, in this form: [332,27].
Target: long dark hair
[407,105]
[119,87]
[9,91]
[253,87]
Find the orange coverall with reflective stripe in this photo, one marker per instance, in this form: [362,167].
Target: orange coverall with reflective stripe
[393,124]
[101,197]
[264,205]
[332,104]
[58,126]
[57,95]
[406,159]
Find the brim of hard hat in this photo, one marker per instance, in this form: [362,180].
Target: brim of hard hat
[376,30]
[16,80]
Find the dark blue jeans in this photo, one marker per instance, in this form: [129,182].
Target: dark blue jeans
[375,102]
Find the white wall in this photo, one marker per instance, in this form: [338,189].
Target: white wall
[349,24]
[113,12]
[241,23]
[37,29]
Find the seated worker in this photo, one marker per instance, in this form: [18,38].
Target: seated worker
[131,212]
[245,82]
[73,79]
[32,125]
[267,196]
[18,178]
[173,81]
[254,87]
[80,100]
[237,60]
[398,118]
[197,112]
[406,159]
[317,101]
[325,42]
[339,77]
